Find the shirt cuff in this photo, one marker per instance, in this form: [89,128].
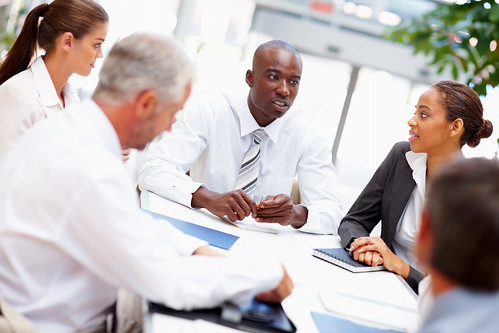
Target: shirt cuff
[184,192]
[314,224]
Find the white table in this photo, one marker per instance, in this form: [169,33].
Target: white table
[377,297]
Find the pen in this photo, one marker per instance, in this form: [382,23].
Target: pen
[226,220]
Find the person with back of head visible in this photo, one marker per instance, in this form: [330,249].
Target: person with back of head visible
[71,230]
[242,149]
[458,244]
[448,115]
[71,33]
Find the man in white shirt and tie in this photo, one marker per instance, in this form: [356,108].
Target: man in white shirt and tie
[71,231]
[242,150]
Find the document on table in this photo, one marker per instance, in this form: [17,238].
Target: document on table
[151,201]
[329,323]
[249,223]
[375,312]
[213,237]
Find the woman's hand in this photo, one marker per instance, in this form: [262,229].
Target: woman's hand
[373,251]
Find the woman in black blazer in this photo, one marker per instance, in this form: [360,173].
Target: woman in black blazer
[448,115]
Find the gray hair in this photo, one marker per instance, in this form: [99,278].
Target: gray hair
[142,62]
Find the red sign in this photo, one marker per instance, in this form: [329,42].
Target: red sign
[324,7]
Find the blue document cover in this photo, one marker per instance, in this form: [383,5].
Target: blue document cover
[331,324]
[214,237]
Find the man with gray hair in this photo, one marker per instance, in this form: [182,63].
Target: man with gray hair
[71,231]
[458,242]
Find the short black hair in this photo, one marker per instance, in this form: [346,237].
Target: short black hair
[463,208]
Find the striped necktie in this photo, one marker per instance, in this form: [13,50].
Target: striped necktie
[248,173]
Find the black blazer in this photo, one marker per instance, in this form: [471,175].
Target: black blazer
[384,198]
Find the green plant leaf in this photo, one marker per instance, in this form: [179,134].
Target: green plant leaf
[444,35]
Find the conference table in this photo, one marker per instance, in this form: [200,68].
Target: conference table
[379,299]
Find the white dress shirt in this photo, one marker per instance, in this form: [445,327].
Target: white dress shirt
[71,233]
[211,139]
[27,98]
[408,226]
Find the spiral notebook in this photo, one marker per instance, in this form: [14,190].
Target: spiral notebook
[340,257]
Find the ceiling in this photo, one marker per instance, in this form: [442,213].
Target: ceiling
[365,16]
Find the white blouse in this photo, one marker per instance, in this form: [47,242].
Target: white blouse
[27,98]
[410,220]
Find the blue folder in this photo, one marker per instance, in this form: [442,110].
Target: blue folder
[331,324]
[213,237]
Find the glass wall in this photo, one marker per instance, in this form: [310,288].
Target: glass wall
[381,106]
[322,92]
[126,17]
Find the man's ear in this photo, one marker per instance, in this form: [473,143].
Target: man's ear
[424,240]
[249,78]
[457,128]
[66,41]
[145,104]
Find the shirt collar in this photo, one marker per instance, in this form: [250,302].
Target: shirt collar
[101,126]
[248,123]
[70,95]
[46,89]
[417,162]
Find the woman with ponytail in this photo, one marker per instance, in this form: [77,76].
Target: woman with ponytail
[71,33]
[448,115]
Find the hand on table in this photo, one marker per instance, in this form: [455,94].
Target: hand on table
[276,295]
[207,251]
[236,205]
[373,251]
[279,293]
[280,209]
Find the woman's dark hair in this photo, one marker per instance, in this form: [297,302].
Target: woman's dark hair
[461,101]
[76,16]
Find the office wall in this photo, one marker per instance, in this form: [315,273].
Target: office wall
[221,35]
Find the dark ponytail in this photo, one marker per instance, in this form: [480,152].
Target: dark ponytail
[76,16]
[24,48]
